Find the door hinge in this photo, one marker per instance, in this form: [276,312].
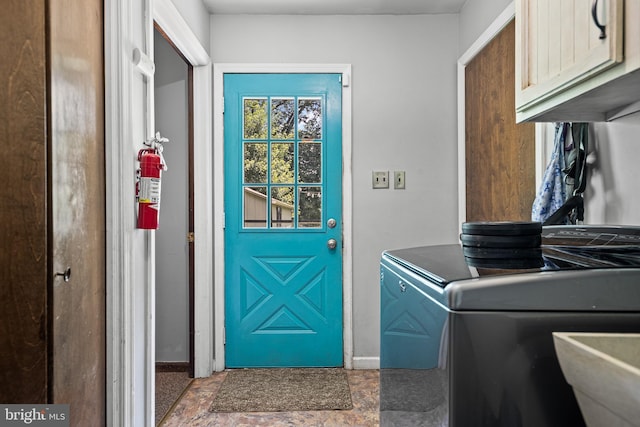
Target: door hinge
[191,237]
[345,79]
[224,336]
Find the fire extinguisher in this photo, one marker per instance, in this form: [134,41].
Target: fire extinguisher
[148,183]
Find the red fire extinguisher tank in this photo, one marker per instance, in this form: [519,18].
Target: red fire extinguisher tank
[151,167]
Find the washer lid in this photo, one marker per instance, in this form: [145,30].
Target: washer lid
[563,248]
[612,290]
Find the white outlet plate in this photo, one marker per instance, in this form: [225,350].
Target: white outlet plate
[380,179]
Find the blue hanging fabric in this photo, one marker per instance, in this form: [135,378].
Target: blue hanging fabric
[553,191]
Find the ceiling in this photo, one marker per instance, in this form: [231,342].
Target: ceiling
[333,7]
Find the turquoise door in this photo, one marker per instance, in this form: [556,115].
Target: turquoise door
[283,228]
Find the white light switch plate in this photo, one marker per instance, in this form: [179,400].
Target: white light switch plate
[398,180]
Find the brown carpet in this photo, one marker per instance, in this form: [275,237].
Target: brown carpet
[169,387]
[284,389]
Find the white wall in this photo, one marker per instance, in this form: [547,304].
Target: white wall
[172,270]
[475,17]
[196,15]
[611,196]
[404,118]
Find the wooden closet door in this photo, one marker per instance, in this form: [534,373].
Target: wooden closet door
[52,206]
[23,206]
[500,154]
[77,191]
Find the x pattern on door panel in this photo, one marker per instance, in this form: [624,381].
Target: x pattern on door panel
[297,284]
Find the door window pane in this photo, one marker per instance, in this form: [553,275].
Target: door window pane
[310,207]
[282,118]
[282,207]
[310,118]
[255,207]
[255,118]
[282,163]
[310,162]
[255,162]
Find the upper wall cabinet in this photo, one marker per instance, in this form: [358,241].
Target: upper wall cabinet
[576,60]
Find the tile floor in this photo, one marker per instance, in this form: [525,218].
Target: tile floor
[193,407]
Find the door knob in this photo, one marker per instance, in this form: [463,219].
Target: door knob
[66,276]
[332,243]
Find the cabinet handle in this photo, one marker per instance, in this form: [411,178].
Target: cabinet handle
[594,14]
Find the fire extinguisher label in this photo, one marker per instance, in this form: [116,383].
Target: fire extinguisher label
[149,190]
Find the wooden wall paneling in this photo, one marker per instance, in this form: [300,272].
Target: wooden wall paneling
[500,154]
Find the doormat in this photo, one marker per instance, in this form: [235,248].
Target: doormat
[283,389]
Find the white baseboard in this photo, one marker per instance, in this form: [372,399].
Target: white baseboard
[366,363]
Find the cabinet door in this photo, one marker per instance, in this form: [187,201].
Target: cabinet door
[559,45]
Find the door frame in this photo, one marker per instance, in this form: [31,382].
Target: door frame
[158,30]
[219,216]
[176,28]
[507,15]
[131,344]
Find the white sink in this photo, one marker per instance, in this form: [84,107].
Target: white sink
[604,371]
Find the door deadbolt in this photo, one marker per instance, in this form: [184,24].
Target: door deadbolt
[332,243]
[331,223]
